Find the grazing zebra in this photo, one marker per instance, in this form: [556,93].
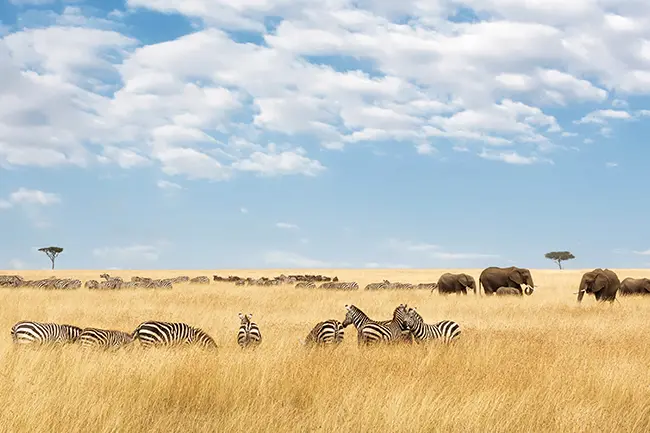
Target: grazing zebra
[328,332]
[305,285]
[156,334]
[92,284]
[339,285]
[200,280]
[446,330]
[104,338]
[428,286]
[360,319]
[395,331]
[249,334]
[25,332]
[378,286]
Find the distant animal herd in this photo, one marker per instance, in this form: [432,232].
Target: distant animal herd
[406,324]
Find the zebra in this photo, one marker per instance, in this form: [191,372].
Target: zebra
[27,332]
[428,286]
[249,334]
[328,332]
[200,280]
[340,285]
[446,330]
[378,286]
[104,338]
[360,319]
[92,284]
[395,331]
[155,333]
[305,285]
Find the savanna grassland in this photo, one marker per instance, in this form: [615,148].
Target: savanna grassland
[532,364]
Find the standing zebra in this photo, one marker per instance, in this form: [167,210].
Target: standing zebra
[156,334]
[395,331]
[104,338]
[26,332]
[360,320]
[325,333]
[249,333]
[446,330]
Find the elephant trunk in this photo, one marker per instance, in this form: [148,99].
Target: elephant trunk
[581,293]
[528,290]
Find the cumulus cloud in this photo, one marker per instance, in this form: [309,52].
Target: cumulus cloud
[168,186]
[328,75]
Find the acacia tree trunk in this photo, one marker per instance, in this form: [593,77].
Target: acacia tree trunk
[559,263]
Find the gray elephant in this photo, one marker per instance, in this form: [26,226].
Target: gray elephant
[455,283]
[635,286]
[493,277]
[512,291]
[603,283]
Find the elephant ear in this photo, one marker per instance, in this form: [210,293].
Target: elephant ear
[646,284]
[516,277]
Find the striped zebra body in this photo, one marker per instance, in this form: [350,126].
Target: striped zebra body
[378,286]
[445,330]
[26,332]
[340,285]
[393,331]
[104,338]
[359,319]
[249,334]
[328,332]
[157,334]
[305,285]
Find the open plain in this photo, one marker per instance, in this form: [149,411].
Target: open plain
[534,364]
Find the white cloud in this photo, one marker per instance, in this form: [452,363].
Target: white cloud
[128,254]
[611,164]
[168,186]
[243,210]
[405,247]
[289,259]
[4,204]
[31,197]
[642,253]
[288,226]
[78,91]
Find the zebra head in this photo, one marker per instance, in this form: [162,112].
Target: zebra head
[351,315]
[412,318]
[399,315]
[245,318]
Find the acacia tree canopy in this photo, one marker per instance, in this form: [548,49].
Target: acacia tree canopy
[52,253]
[559,256]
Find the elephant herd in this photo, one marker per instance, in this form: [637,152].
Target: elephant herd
[602,283]
[500,281]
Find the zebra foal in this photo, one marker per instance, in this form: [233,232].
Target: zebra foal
[164,334]
[249,334]
[328,332]
[104,338]
[28,332]
[445,330]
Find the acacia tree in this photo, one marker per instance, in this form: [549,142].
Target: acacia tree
[559,256]
[52,253]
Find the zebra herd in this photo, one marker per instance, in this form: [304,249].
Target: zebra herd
[406,325]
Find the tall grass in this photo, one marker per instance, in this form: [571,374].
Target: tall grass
[538,364]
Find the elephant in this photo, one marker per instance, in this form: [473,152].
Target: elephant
[603,283]
[455,283]
[507,291]
[493,277]
[635,286]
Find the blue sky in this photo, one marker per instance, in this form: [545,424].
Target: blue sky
[198,135]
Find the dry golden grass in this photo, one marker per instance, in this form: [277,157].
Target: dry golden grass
[537,364]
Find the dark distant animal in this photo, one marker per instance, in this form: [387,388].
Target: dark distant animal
[635,286]
[603,283]
[328,332]
[456,283]
[493,277]
[249,334]
[157,334]
[508,291]
[27,332]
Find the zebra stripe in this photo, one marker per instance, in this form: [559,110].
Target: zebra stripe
[156,334]
[340,285]
[325,333]
[104,338]
[26,332]
[378,286]
[393,331]
[446,330]
[249,334]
